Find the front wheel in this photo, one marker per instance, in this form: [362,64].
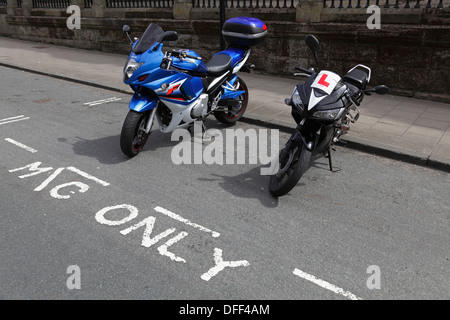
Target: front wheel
[234,112]
[291,170]
[133,136]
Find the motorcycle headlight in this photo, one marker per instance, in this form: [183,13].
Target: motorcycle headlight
[297,101]
[131,67]
[327,114]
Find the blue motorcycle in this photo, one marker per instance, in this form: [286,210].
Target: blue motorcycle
[177,87]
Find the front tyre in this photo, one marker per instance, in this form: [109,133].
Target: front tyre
[133,136]
[281,184]
[235,112]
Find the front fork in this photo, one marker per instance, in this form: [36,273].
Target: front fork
[151,119]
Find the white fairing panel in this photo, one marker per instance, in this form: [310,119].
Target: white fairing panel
[325,81]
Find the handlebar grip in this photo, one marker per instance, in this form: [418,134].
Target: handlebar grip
[192,57]
[304,70]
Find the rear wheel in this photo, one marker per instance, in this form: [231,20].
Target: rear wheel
[234,112]
[133,136]
[291,169]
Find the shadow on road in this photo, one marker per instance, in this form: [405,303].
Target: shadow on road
[250,185]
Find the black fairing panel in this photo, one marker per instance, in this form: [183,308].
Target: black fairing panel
[304,89]
[332,101]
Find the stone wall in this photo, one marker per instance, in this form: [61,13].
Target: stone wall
[410,53]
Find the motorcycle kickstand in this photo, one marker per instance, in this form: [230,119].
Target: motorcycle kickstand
[330,162]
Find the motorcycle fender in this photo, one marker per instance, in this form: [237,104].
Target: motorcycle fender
[230,94]
[308,144]
[141,103]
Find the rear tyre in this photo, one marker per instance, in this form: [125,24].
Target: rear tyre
[235,112]
[133,136]
[282,184]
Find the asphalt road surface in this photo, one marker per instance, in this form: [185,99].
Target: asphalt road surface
[79,220]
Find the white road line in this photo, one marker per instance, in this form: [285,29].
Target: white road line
[186,221]
[325,284]
[13,119]
[88,176]
[94,103]
[21,145]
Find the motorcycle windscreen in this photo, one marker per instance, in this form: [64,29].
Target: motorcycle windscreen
[152,34]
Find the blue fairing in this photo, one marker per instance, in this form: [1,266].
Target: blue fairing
[189,63]
[141,103]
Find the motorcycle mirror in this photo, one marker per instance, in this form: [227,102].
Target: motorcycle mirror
[381,89]
[170,36]
[126,29]
[312,43]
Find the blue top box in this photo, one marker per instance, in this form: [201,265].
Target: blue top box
[244,31]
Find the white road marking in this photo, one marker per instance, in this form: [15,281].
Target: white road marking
[163,248]
[88,176]
[21,145]
[186,221]
[13,119]
[325,284]
[49,179]
[94,103]
[100,216]
[220,265]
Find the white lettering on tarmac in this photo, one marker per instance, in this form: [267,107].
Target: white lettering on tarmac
[35,170]
[149,223]
[147,241]
[186,221]
[100,215]
[54,192]
[163,249]
[32,167]
[49,179]
[220,265]
[88,176]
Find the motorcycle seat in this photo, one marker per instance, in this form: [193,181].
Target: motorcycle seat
[357,77]
[218,64]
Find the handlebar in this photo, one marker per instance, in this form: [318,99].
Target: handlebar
[183,54]
[310,72]
[349,97]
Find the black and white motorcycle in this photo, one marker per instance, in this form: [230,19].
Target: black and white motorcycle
[323,108]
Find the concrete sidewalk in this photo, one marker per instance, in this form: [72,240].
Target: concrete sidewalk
[407,129]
